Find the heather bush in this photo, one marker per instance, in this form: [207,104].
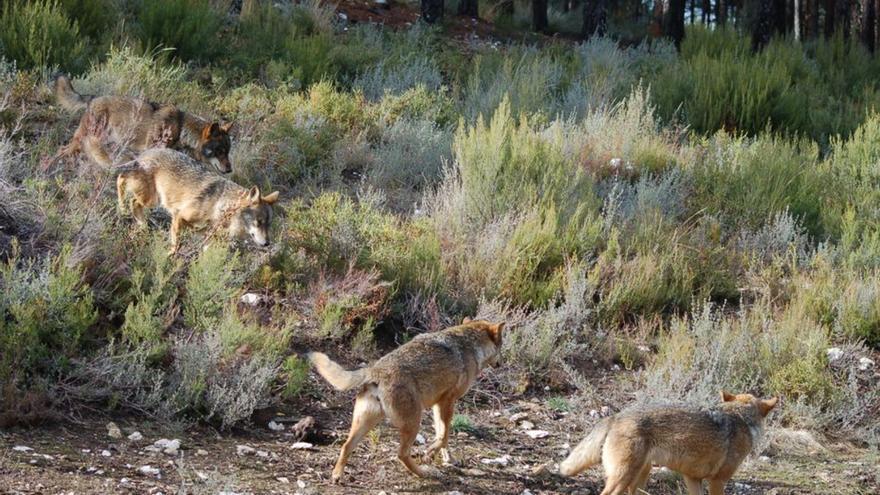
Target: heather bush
[211,283]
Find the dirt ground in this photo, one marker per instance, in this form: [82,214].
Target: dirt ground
[494,456]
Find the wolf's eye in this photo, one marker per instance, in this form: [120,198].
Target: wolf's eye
[208,152]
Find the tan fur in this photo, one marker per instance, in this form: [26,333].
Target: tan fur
[193,196]
[125,125]
[432,370]
[700,444]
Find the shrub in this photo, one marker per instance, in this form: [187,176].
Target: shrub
[154,296]
[45,309]
[394,79]
[38,34]
[189,26]
[211,284]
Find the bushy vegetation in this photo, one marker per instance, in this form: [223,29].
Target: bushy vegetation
[709,216]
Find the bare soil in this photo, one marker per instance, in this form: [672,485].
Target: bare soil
[81,458]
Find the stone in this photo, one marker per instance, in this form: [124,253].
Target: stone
[537,434]
[113,431]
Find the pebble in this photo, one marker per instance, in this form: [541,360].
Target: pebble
[276,426]
[420,439]
[764,458]
[149,470]
[282,479]
[301,446]
[865,363]
[301,483]
[201,452]
[245,450]
[527,425]
[251,299]
[113,431]
[516,418]
[833,353]
[263,454]
[169,447]
[136,437]
[499,461]
[105,453]
[22,448]
[536,434]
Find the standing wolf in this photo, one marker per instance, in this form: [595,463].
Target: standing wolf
[134,124]
[193,196]
[699,443]
[431,370]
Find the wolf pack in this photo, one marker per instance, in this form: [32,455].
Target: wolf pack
[166,157]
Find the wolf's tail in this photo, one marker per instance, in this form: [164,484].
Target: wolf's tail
[339,377]
[588,452]
[68,97]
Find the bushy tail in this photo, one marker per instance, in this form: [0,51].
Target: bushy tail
[588,452]
[339,377]
[68,97]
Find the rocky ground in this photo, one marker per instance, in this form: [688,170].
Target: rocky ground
[504,446]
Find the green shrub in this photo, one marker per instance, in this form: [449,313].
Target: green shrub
[191,27]
[154,298]
[210,287]
[45,310]
[39,34]
[296,376]
[96,18]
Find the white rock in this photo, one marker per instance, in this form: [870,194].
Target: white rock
[22,448]
[420,439]
[282,479]
[833,353]
[594,413]
[605,411]
[301,446]
[865,363]
[149,470]
[263,454]
[764,458]
[86,451]
[527,425]
[276,426]
[536,434]
[113,431]
[245,450]
[301,483]
[516,418]
[499,461]
[124,480]
[136,437]
[526,492]
[202,476]
[251,299]
[105,453]
[453,492]
[615,162]
[169,447]
[201,452]
[342,16]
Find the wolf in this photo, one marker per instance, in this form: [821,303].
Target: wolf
[701,444]
[193,196]
[135,124]
[432,370]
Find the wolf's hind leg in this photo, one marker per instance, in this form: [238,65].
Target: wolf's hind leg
[94,149]
[408,432]
[694,486]
[716,487]
[121,191]
[641,480]
[367,414]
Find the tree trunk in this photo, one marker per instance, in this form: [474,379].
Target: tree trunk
[764,23]
[657,26]
[674,21]
[693,11]
[796,14]
[867,24]
[811,19]
[539,15]
[842,17]
[721,12]
[432,10]
[469,8]
[595,17]
[707,9]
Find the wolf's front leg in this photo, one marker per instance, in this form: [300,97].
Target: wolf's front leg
[443,412]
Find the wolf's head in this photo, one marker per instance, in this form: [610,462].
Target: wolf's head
[762,407]
[253,219]
[490,337]
[214,146]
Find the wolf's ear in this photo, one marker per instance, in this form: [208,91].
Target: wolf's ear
[226,127]
[466,320]
[495,333]
[254,195]
[210,130]
[725,397]
[271,198]
[765,406]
